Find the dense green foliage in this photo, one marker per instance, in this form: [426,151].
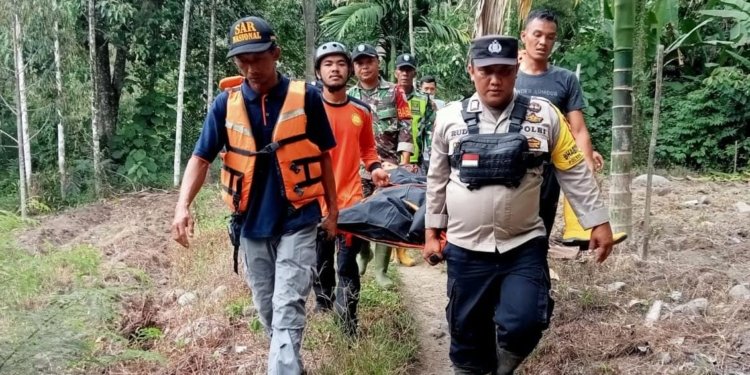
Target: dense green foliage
[703,40]
[708,138]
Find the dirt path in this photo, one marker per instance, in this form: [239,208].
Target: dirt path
[700,253]
[424,288]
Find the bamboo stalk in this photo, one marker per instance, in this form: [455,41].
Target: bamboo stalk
[652,151]
[621,209]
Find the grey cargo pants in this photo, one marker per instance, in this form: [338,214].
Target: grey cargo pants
[280,274]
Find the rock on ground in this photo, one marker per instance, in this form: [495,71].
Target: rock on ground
[203,328]
[697,306]
[218,293]
[739,292]
[656,180]
[616,286]
[187,299]
[742,207]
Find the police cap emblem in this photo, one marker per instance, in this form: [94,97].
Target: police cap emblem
[361,48]
[495,47]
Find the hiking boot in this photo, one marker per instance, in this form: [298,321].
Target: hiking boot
[363,258]
[380,259]
[507,362]
[403,257]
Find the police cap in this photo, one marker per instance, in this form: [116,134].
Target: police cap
[494,50]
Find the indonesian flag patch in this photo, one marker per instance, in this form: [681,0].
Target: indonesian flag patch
[470,160]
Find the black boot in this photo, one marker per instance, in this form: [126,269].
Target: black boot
[507,362]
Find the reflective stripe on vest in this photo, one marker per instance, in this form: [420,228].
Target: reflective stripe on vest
[298,158]
[418,108]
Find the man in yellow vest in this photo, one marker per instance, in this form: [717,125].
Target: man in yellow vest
[422,107]
[422,116]
[276,137]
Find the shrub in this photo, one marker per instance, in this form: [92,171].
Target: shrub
[700,126]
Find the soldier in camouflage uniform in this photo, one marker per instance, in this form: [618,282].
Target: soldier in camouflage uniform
[393,137]
[422,108]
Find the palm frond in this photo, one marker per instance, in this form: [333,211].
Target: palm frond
[344,20]
[443,32]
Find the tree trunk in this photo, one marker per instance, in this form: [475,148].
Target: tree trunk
[19,141]
[94,104]
[180,94]
[621,208]
[652,151]
[211,46]
[110,81]
[58,83]
[308,12]
[411,27]
[25,140]
[641,82]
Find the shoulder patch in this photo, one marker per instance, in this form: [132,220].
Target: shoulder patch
[535,107]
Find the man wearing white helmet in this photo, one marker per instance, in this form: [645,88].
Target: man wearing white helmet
[351,121]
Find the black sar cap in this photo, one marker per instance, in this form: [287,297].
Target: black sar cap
[250,35]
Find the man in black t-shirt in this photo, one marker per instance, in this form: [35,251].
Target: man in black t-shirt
[536,77]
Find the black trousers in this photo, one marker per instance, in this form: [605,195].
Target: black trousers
[344,298]
[496,300]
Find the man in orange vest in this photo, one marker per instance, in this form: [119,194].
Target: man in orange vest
[351,120]
[276,166]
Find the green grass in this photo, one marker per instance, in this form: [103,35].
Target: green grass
[235,307]
[207,212]
[388,339]
[55,307]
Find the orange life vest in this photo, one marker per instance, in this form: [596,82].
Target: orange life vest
[298,158]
